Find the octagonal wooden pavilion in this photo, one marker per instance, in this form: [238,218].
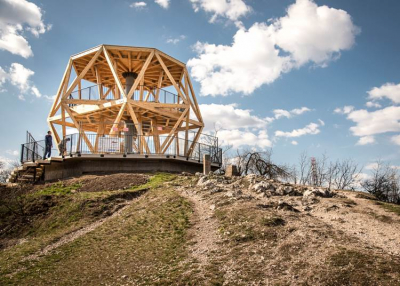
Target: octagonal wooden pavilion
[141,95]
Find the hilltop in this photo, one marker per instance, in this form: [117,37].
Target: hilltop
[138,229]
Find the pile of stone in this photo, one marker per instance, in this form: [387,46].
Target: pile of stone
[261,186]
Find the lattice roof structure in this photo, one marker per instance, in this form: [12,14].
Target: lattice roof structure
[132,90]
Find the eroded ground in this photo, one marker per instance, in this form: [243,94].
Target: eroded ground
[192,230]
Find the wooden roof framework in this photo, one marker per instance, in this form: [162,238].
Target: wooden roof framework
[104,66]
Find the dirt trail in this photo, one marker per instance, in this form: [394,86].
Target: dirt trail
[75,235]
[204,231]
[364,221]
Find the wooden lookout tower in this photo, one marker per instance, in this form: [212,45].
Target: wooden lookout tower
[140,95]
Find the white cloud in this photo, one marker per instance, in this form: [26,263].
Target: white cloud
[232,10]
[229,116]
[365,140]
[388,90]
[3,78]
[238,127]
[176,40]
[314,33]
[375,122]
[396,139]
[308,33]
[344,110]
[312,128]
[279,113]
[163,3]
[19,76]
[12,152]
[17,16]
[294,142]
[138,5]
[238,138]
[373,104]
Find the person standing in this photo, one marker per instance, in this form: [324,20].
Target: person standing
[48,140]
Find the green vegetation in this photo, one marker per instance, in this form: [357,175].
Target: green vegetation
[390,207]
[358,268]
[58,188]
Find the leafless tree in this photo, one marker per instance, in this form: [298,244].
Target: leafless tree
[260,163]
[347,174]
[6,169]
[304,168]
[384,183]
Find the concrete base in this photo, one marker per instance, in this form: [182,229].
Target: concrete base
[94,164]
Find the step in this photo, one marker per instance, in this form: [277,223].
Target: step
[44,162]
[30,164]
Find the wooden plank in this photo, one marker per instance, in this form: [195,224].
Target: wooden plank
[99,84]
[85,53]
[200,118]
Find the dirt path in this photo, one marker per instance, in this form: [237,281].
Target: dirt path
[365,221]
[204,231]
[75,235]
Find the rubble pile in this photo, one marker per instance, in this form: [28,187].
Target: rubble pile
[260,186]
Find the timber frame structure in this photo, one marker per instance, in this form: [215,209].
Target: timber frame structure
[128,96]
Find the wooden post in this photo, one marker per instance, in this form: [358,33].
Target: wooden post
[206,164]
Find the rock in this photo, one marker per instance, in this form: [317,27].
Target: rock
[124,276]
[216,190]
[212,207]
[186,174]
[285,206]
[260,187]
[198,174]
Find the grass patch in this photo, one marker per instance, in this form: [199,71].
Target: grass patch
[145,245]
[57,189]
[351,267]
[389,207]
[272,221]
[54,211]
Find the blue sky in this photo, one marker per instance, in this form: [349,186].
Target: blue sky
[334,57]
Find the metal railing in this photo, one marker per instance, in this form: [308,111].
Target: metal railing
[142,93]
[77,144]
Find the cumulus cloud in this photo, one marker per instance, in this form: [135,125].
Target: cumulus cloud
[344,110]
[19,76]
[12,152]
[138,5]
[232,10]
[163,3]
[388,90]
[366,140]
[396,139]
[312,129]
[238,138]
[229,116]
[176,40]
[279,113]
[261,54]
[237,127]
[375,122]
[373,104]
[17,16]
[294,142]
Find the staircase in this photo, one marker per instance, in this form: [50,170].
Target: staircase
[29,172]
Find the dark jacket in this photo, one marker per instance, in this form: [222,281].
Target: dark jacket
[48,140]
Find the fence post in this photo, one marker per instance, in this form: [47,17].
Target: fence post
[34,151]
[22,153]
[206,164]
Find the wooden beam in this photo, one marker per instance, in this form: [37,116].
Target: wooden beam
[175,126]
[118,119]
[78,127]
[141,75]
[171,78]
[114,73]
[53,110]
[82,74]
